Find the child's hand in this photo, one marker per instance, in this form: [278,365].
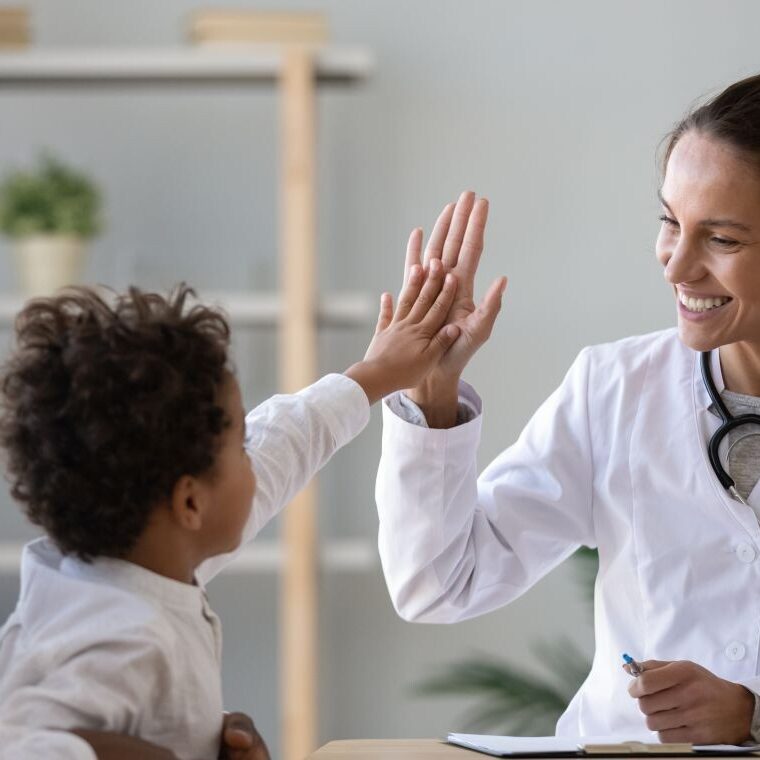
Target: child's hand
[409,342]
[241,740]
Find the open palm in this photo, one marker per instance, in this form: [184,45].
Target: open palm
[457,240]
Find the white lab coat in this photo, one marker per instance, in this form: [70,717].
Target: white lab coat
[615,459]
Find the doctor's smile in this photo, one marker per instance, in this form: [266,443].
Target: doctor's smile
[699,307]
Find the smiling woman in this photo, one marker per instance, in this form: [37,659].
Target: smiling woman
[709,245]
[615,459]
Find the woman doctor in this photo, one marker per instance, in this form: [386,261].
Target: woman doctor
[616,458]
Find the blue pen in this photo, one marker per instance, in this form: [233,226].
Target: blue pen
[633,667]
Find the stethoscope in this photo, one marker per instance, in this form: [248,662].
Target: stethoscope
[728,424]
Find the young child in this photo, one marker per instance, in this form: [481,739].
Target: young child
[128,444]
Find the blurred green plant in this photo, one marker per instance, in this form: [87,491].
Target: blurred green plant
[52,199]
[508,699]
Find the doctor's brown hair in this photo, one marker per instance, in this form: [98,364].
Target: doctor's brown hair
[732,117]
[105,405]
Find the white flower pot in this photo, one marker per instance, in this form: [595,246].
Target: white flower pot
[48,262]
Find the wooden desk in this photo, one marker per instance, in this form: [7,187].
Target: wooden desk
[392,749]
[416,749]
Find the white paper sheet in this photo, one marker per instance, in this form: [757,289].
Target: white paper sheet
[504,746]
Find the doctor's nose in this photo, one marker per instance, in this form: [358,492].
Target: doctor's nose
[682,263]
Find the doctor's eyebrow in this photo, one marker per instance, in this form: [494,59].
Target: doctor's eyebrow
[710,222]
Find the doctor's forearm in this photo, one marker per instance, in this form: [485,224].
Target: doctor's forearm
[438,399]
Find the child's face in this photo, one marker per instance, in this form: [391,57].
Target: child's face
[231,482]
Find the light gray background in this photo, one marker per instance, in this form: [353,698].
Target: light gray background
[553,110]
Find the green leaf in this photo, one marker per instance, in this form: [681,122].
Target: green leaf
[51,199]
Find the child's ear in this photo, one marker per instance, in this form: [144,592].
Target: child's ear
[187,503]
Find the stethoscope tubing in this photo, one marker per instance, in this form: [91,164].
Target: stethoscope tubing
[729,423]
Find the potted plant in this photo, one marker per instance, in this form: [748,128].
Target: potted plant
[49,214]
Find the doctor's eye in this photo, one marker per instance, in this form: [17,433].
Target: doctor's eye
[725,242]
[667,220]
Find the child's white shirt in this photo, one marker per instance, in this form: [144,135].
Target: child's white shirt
[111,646]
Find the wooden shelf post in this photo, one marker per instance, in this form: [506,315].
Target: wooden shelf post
[299,619]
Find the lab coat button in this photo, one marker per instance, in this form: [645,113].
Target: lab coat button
[745,552]
[735,651]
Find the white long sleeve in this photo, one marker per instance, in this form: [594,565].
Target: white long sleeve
[289,439]
[454,545]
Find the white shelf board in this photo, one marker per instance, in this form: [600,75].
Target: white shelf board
[340,309]
[218,64]
[260,556]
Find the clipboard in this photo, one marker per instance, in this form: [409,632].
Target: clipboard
[590,746]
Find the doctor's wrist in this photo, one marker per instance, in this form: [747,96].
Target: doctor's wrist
[438,399]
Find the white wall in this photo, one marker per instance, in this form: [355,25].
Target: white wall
[551,109]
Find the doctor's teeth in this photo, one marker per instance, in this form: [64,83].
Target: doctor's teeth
[701,304]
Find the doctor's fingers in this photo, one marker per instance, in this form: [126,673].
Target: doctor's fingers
[693,728]
[434,247]
[472,246]
[676,697]
[656,676]
[670,720]
[459,221]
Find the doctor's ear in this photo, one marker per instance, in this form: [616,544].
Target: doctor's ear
[187,502]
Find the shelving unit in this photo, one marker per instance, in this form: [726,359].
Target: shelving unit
[259,557]
[295,309]
[258,309]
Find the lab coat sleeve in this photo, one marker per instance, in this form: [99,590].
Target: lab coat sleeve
[753,684]
[290,438]
[18,742]
[101,687]
[453,545]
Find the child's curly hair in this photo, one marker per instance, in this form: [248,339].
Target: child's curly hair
[105,406]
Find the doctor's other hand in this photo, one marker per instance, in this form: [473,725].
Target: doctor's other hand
[241,740]
[410,340]
[457,242]
[684,702]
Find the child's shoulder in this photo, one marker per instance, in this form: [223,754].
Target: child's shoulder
[71,605]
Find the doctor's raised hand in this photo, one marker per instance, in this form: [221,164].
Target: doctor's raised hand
[456,243]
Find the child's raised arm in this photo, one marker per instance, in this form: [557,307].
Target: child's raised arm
[289,438]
